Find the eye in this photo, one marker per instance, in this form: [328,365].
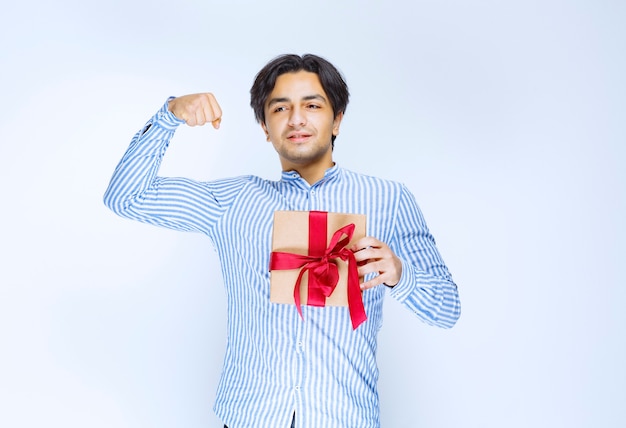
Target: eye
[313,106]
[279,109]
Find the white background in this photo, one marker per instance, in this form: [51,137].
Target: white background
[506,119]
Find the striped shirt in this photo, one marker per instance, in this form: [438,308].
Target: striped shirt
[276,362]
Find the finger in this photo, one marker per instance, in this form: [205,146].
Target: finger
[384,278]
[371,266]
[200,117]
[366,242]
[215,107]
[386,270]
[374,282]
[364,254]
[189,118]
[372,254]
[215,111]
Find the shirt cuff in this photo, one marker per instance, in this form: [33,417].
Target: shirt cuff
[405,286]
[165,119]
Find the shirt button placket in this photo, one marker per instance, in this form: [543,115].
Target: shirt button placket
[313,193]
[299,377]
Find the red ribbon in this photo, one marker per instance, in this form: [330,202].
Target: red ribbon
[323,272]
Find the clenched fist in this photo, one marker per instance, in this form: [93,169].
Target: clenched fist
[197,109]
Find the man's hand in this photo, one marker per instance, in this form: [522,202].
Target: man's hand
[374,256]
[197,109]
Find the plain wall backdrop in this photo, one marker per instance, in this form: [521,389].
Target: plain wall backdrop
[507,120]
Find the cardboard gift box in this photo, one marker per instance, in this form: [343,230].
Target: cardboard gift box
[310,261]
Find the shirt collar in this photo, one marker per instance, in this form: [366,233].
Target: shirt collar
[330,174]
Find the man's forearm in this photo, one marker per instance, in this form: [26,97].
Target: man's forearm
[138,168]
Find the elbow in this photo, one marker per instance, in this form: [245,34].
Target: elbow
[110,201]
[115,202]
[453,311]
[107,200]
[450,321]
[449,312]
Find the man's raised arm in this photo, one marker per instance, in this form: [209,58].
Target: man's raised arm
[137,192]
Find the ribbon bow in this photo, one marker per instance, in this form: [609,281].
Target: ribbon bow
[322,268]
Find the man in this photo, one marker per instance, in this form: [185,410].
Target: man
[280,368]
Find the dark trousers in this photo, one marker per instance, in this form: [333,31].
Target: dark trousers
[293,422]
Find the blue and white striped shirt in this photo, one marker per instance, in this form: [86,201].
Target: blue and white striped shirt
[277,363]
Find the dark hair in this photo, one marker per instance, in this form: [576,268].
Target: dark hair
[330,78]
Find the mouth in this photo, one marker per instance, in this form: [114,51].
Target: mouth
[298,137]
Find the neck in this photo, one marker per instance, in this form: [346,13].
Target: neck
[311,173]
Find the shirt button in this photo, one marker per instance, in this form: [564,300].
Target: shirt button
[297,388]
[312,192]
[300,344]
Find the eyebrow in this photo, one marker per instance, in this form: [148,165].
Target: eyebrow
[285,99]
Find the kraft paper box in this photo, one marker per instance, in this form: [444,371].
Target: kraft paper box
[291,235]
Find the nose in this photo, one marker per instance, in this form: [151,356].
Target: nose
[297,117]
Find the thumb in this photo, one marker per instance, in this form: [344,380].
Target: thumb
[216,123]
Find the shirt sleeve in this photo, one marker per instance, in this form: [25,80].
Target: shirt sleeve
[426,286]
[137,192]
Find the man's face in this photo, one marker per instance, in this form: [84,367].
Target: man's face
[299,121]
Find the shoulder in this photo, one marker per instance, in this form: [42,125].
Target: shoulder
[240,182]
[373,180]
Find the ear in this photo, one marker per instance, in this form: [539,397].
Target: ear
[337,123]
[267,134]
